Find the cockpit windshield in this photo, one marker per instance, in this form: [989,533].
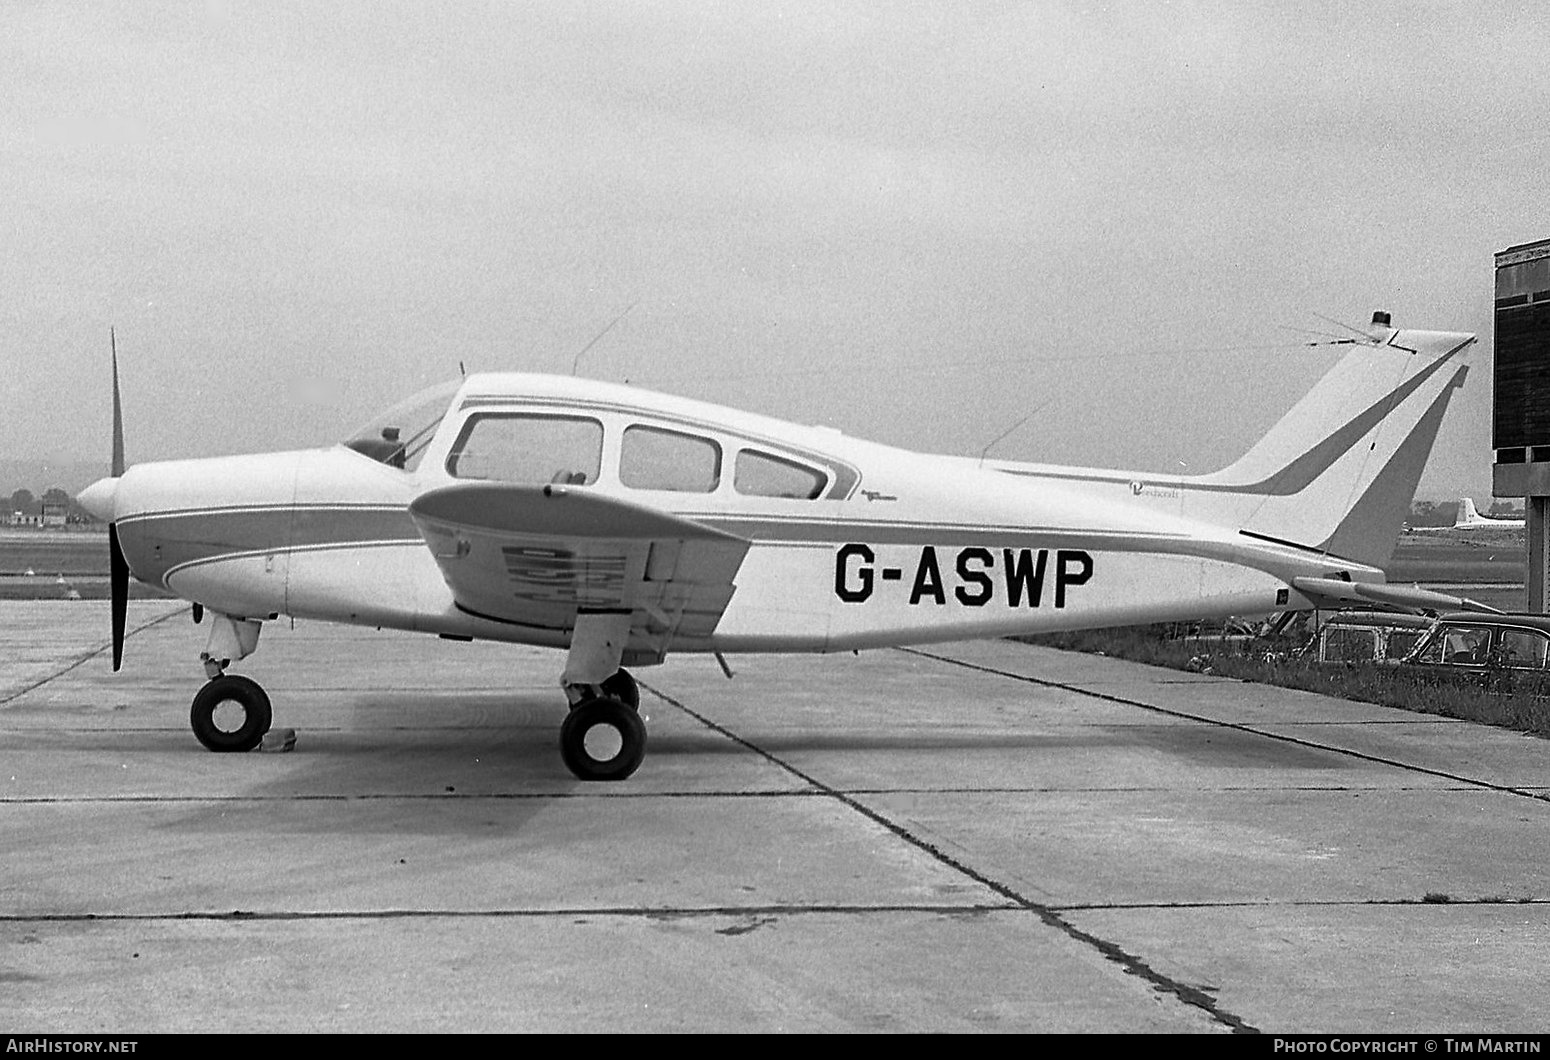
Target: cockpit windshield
[398,436]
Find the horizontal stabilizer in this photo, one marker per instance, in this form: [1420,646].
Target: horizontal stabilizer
[1333,591]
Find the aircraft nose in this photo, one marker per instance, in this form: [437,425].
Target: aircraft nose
[99,498]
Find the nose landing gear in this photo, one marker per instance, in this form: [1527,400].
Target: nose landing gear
[230,713]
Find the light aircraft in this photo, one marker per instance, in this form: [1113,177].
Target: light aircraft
[619,525]
[1470,519]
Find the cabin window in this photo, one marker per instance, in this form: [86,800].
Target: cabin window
[528,450]
[761,475]
[654,459]
[1523,648]
[399,436]
[1459,646]
[1348,644]
[1403,641]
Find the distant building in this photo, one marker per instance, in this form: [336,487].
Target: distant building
[55,513]
[1521,401]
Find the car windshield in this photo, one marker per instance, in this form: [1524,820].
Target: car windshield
[398,436]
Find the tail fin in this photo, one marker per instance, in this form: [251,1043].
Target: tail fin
[1339,471]
[1467,516]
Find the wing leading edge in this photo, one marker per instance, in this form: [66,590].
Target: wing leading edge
[542,555]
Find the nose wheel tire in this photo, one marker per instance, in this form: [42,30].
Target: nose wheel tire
[602,739]
[230,713]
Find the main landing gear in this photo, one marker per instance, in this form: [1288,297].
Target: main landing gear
[603,737]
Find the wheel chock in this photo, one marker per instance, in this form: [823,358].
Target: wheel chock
[278,741]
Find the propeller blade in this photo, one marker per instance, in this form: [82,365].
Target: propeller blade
[119,586]
[118,566]
[118,415]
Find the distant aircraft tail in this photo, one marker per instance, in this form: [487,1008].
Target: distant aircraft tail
[1468,516]
[1340,470]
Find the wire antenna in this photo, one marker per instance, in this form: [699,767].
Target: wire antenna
[1334,340]
[1366,335]
[1035,411]
[986,451]
[596,338]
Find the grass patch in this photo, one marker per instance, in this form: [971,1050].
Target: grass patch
[1510,699]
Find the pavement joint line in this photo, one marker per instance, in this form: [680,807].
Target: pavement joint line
[1141,789]
[332,730]
[1429,719]
[635,912]
[774,909]
[84,656]
[1130,963]
[772,793]
[1300,903]
[514,796]
[1505,789]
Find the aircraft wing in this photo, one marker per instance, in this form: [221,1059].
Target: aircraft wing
[539,555]
[1333,591]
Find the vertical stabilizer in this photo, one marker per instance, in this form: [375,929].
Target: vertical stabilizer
[1339,471]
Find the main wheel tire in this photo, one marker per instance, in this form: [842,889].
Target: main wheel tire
[230,713]
[602,739]
[622,686]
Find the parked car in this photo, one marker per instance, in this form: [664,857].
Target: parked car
[1471,640]
[1367,636]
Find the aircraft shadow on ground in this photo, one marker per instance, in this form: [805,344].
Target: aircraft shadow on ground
[396,763]
[1211,748]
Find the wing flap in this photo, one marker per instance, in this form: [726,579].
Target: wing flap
[538,555]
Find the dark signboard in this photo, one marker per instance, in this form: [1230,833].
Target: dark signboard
[1521,409]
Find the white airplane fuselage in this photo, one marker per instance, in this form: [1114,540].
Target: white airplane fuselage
[902,547]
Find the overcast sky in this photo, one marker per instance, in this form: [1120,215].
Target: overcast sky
[916,222]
